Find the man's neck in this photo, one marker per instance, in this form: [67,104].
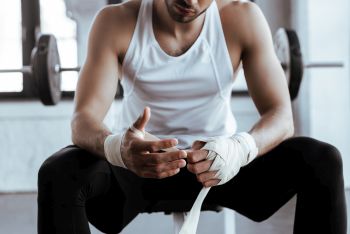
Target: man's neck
[163,21]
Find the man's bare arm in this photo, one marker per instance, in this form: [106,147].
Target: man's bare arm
[95,93]
[96,87]
[266,83]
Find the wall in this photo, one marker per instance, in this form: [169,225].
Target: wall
[277,12]
[322,109]
[324,102]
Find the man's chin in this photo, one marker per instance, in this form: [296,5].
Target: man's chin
[182,19]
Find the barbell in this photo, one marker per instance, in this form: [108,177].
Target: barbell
[288,51]
[45,68]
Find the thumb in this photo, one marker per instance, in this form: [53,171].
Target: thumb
[142,121]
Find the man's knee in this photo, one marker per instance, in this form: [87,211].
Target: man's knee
[52,169]
[67,172]
[67,163]
[55,162]
[321,159]
[315,152]
[331,162]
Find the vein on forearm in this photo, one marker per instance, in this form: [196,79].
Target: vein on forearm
[274,126]
[89,134]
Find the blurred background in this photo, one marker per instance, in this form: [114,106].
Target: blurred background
[31,132]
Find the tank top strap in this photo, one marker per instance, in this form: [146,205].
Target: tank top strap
[139,41]
[218,50]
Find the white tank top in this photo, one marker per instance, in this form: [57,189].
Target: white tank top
[189,95]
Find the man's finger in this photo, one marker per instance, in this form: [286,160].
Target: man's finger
[196,155]
[150,174]
[211,183]
[199,167]
[168,173]
[142,121]
[164,167]
[205,176]
[165,157]
[154,146]
[196,145]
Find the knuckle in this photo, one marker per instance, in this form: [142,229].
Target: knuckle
[171,143]
[196,169]
[158,168]
[190,167]
[198,157]
[200,178]
[153,148]
[132,144]
[191,158]
[151,159]
[172,166]
[182,154]
[176,165]
[165,144]
[172,172]
[181,163]
[157,159]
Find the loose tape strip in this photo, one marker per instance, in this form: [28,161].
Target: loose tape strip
[241,145]
[191,219]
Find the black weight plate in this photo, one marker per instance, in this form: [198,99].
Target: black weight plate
[45,60]
[288,51]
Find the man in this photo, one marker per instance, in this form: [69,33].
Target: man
[178,57]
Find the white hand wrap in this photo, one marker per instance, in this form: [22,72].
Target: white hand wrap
[112,146]
[228,155]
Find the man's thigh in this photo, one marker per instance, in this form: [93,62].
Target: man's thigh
[257,191]
[267,183]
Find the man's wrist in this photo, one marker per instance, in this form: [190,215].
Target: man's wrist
[112,149]
[248,144]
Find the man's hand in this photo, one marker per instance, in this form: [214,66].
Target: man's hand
[145,158]
[199,165]
[218,160]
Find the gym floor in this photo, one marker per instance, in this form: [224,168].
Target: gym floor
[18,215]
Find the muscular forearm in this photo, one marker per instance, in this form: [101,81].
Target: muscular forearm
[273,127]
[89,134]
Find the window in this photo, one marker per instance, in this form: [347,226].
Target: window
[54,20]
[70,30]
[10,45]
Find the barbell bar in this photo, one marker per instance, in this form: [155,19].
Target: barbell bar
[24,70]
[325,65]
[319,65]
[46,70]
[66,69]
[28,69]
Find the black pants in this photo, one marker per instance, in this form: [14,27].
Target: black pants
[76,187]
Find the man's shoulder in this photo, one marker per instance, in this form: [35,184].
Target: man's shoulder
[238,10]
[121,14]
[240,18]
